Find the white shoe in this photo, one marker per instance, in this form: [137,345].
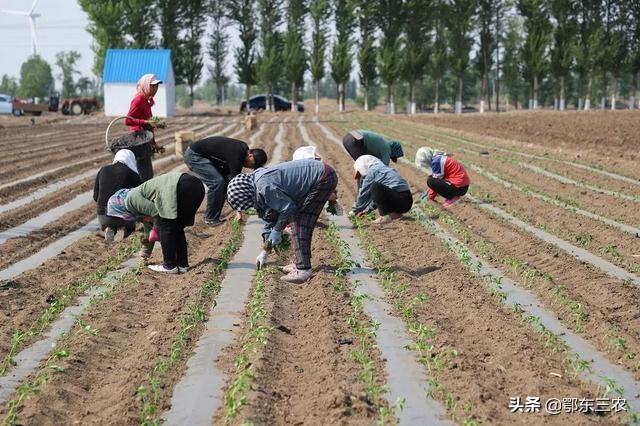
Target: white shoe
[162,268]
[183,269]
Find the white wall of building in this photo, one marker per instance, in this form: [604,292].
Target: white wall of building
[118,96]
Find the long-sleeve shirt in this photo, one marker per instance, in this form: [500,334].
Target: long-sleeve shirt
[140,111]
[384,175]
[155,197]
[449,169]
[110,179]
[226,154]
[377,146]
[281,189]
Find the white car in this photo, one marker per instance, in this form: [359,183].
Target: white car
[6,104]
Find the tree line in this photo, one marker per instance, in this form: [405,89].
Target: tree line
[425,52]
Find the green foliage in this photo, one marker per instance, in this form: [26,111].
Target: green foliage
[191,51]
[106,26]
[341,55]
[269,66]
[295,55]
[9,85]
[138,22]
[218,46]
[66,61]
[320,11]
[242,12]
[367,55]
[35,78]
[170,17]
[415,55]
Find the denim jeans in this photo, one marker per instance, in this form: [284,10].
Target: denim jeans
[211,177]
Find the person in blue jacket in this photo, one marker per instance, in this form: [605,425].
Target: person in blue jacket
[381,187]
[292,192]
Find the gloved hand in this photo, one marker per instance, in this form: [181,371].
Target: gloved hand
[261,260]
[275,237]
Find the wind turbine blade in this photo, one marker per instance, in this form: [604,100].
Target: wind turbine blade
[14,12]
[33,6]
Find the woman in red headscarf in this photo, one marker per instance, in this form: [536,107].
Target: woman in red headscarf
[140,119]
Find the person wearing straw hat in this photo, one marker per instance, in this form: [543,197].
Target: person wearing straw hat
[292,192]
[381,188]
[139,118]
[122,173]
[447,177]
[363,142]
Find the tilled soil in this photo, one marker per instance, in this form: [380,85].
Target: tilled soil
[587,135]
[445,279]
[608,303]
[613,244]
[305,374]
[136,327]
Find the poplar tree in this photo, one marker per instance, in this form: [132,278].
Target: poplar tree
[320,11]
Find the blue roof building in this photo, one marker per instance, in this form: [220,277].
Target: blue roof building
[122,70]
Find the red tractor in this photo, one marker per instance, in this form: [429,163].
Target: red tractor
[70,106]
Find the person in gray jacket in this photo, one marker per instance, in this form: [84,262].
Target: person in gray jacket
[292,192]
[382,187]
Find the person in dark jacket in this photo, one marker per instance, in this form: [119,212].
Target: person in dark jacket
[217,160]
[292,192]
[123,173]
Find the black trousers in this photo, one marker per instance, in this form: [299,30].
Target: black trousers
[445,188]
[354,148]
[389,201]
[190,192]
[115,223]
[145,168]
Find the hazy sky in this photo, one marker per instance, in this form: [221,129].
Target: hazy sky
[61,26]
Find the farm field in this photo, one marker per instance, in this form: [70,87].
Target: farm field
[516,306]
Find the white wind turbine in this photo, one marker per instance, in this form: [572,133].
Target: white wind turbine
[32,22]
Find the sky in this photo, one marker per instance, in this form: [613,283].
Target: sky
[61,26]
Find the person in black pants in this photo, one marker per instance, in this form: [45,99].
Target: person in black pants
[123,173]
[217,160]
[190,194]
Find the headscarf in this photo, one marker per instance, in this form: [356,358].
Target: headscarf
[241,192]
[424,155]
[306,152]
[395,149]
[116,207]
[127,158]
[144,86]
[363,163]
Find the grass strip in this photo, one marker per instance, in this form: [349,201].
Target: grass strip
[59,303]
[364,329]
[151,392]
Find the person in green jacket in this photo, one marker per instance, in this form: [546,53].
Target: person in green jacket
[363,142]
[172,200]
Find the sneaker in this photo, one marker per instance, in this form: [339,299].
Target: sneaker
[162,268]
[109,234]
[183,269]
[297,276]
[215,222]
[288,268]
[451,202]
[382,219]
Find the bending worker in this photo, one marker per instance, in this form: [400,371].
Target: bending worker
[217,160]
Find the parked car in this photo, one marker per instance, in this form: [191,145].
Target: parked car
[6,104]
[259,102]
